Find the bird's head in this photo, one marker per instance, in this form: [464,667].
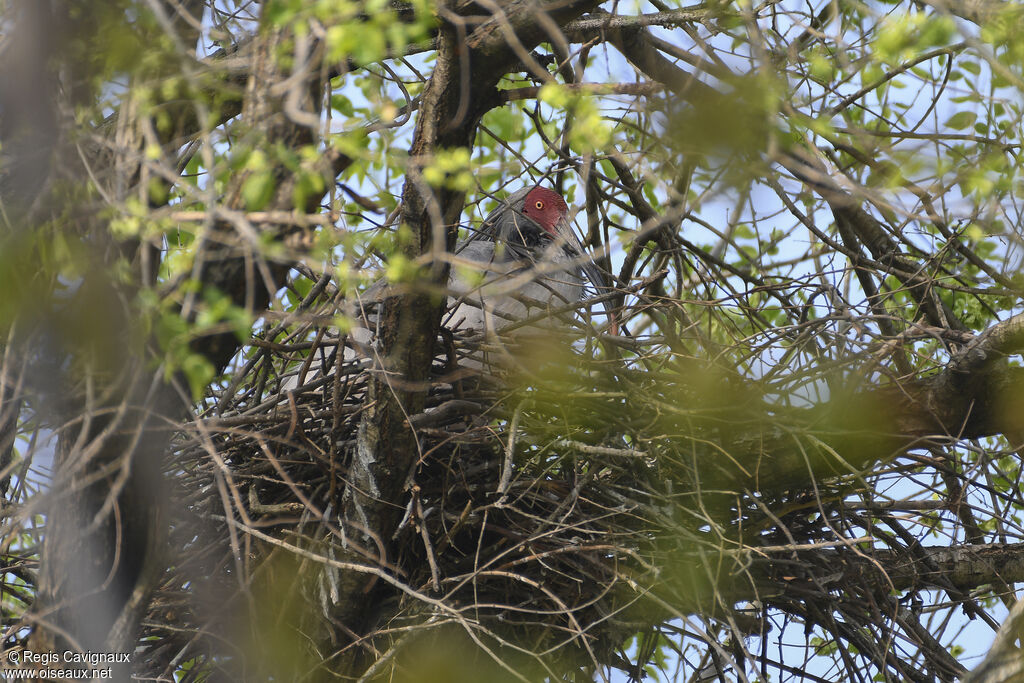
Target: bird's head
[546,208]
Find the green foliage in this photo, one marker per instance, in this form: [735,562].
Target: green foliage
[589,132]
[905,35]
[961,120]
[215,314]
[450,168]
[738,125]
[363,32]
[400,269]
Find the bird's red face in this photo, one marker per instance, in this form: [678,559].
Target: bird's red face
[545,208]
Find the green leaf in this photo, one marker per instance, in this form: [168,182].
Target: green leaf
[200,372]
[258,190]
[961,120]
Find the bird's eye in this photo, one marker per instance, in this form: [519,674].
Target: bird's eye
[539,205]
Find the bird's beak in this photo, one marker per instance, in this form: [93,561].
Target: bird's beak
[596,279]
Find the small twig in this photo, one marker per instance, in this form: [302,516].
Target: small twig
[435,574]
[284,217]
[632,89]
[510,451]
[602,450]
[258,508]
[445,413]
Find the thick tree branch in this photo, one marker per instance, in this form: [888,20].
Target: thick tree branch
[104,542]
[976,395]
[582,30]
[781,574]
[967,567]
[461,89]
[1005,659]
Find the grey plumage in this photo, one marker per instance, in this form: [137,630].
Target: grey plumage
[512,269]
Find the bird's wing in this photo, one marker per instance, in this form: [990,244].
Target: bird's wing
[490,289]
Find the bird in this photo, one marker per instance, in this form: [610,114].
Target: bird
[523,264]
